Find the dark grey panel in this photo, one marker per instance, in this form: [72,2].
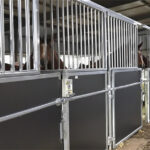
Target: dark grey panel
[88,83]
[125,78]
[37,131]
[22,95]
[149,94]
[88,123]
[127,110]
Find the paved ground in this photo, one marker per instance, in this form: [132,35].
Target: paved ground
[140,141]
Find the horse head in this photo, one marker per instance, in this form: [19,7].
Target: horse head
[141,62]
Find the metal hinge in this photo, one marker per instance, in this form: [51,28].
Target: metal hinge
[61,132]
[110,141]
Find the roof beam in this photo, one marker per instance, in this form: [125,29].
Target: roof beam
[109,3]
[141,17]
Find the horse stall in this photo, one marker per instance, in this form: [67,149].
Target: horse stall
[69,73]
[85,58]
[30,113]
[124,78]
[53,75]
[144,37]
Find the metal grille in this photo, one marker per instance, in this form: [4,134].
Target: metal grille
[72,35]
[122,41]
[17,51]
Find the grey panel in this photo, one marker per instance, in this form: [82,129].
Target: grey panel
[88,123]
[125,78]
[88,83]
[149,96]
[22,95]
[127,110]
[37,131]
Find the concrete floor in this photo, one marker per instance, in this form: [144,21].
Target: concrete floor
[140,141]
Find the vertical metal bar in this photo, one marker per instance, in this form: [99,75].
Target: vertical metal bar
[131,45]
[12,46]
[58,34]
[20,35]
[77,35]
[117,46]
[63,27]
[99,40]
[81,39]
[68,34]
[88,32]
[124,44]
[109,51]
[104,41]
[122,56]
[45,32]
[52,35]
[111,42]
[133,42]
[28,45]
[92,43]
[136,47]
[65,115]
[128,35]
[114,34]
[36,36]
[95,16]
[135,51]
[2,37]
[73,48]
[84,36]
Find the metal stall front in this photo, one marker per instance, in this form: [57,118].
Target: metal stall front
[29,115]
[85,76]
[144,37]
[124,81]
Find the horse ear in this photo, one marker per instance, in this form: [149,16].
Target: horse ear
[140,45]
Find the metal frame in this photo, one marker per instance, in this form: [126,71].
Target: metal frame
[106,43]
[144,36]
[146,81]
[83,13]
[70,73]
[112,103]
[122,53]
[13,37]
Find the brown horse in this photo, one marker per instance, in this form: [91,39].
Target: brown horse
[51,56]
[53,60]
[142,60]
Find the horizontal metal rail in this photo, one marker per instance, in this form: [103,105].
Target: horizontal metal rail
[86,95]
[126,86]
[29,111]
[57,102]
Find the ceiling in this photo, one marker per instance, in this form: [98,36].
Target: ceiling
[136,9]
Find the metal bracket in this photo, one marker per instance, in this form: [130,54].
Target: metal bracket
[110,141]
[61,131]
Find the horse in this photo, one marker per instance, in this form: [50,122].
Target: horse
[142,60]
[52,57]
[53,60]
